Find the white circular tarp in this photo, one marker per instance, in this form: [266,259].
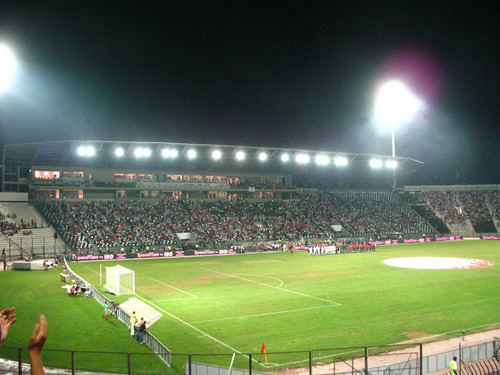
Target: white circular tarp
[437,263]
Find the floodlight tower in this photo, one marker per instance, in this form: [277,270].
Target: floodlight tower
[394,106]
[7,66]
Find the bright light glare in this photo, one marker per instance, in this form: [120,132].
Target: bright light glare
[240,155]
[191,154]
[7,66]
[216,154]
[169,153]
[141,152]
[340,161]
[391,164]
[302,159]
[376,163]
[262,156]
[119,152]
[285,158]
[86,151]
[395,104]
[322,159]
[138,152]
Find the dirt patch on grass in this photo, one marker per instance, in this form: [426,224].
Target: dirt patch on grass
[310,275]
[414,335]
[205,279]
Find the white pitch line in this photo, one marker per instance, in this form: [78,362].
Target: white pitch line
[196,329]
[90,269]
[264,314]
[267,277]
[173,287]
[271,286]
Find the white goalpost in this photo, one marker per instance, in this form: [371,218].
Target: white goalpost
[120,280]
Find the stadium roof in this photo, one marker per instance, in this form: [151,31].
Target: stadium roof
[198,157]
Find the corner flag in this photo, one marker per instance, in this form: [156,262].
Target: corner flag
[263,350]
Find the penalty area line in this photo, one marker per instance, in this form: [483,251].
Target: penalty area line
[265,314]
[173,287]
[271,286]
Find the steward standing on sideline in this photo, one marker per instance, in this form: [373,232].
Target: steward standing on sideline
[453,366]
[133,320]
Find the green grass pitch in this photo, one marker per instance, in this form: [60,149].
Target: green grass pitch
[227,304]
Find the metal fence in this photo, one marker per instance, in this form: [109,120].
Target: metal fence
[150,340]
[36,247]
[402,362]
[314,362]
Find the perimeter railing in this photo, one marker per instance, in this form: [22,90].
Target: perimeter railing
[398,359]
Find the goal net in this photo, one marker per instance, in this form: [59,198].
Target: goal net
[120,280]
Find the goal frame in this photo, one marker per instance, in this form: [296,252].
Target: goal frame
[114,280]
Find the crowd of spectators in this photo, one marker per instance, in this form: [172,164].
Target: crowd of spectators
[445,204]
[494,201]
[309,216]
[458,207]
[58,213]
[12,226]
[474,206]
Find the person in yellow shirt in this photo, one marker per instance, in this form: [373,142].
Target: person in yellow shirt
[133,320]
[453,366]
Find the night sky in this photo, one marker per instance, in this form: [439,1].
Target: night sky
[299,74]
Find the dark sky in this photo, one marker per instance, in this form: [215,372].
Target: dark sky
[299,74]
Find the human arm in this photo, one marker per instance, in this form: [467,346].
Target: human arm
[6,320]
[35,345]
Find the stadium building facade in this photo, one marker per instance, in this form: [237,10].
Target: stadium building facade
[140,170]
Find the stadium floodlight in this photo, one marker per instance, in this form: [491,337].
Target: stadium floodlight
[119,152]
[240,156]
[86,151]
[340,161]
[262,156]
[191,154]
[302,158]
[285,158]
[138,152]
[142,152]
[321,159]
[376,163]
[395,105]
[391,164]
[169,153]
[216,154]
[8,65]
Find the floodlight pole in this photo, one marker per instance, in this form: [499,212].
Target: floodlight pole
[393,142]
[394,156]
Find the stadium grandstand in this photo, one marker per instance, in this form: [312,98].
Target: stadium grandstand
[94,197]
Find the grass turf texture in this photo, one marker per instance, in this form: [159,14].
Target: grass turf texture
[291,302]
